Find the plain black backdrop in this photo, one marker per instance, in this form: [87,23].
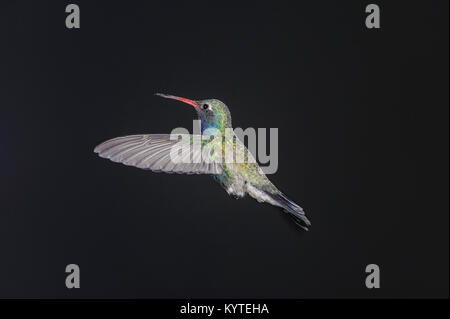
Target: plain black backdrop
[363,147]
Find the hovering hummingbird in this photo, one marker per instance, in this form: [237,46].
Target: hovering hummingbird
[154,152]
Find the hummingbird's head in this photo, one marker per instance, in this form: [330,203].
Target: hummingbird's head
[212,113]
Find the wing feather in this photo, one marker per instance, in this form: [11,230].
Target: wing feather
[153,152]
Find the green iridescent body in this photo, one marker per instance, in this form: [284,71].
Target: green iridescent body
[241,177]
[235,175]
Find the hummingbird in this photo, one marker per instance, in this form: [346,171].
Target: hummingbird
[154,152]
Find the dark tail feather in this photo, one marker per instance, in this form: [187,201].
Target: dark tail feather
[294,211]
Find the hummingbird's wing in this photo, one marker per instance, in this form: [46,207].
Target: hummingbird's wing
[156,152]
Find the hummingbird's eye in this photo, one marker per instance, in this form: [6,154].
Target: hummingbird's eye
[205,106]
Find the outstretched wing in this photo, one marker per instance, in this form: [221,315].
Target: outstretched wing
[155,152]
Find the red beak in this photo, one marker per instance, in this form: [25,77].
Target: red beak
[182,99]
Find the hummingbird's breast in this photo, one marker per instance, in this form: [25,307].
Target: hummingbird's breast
[239,169]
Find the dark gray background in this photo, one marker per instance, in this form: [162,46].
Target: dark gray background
[363,127]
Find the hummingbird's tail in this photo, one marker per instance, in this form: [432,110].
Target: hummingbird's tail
[273,196]
[294,211]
